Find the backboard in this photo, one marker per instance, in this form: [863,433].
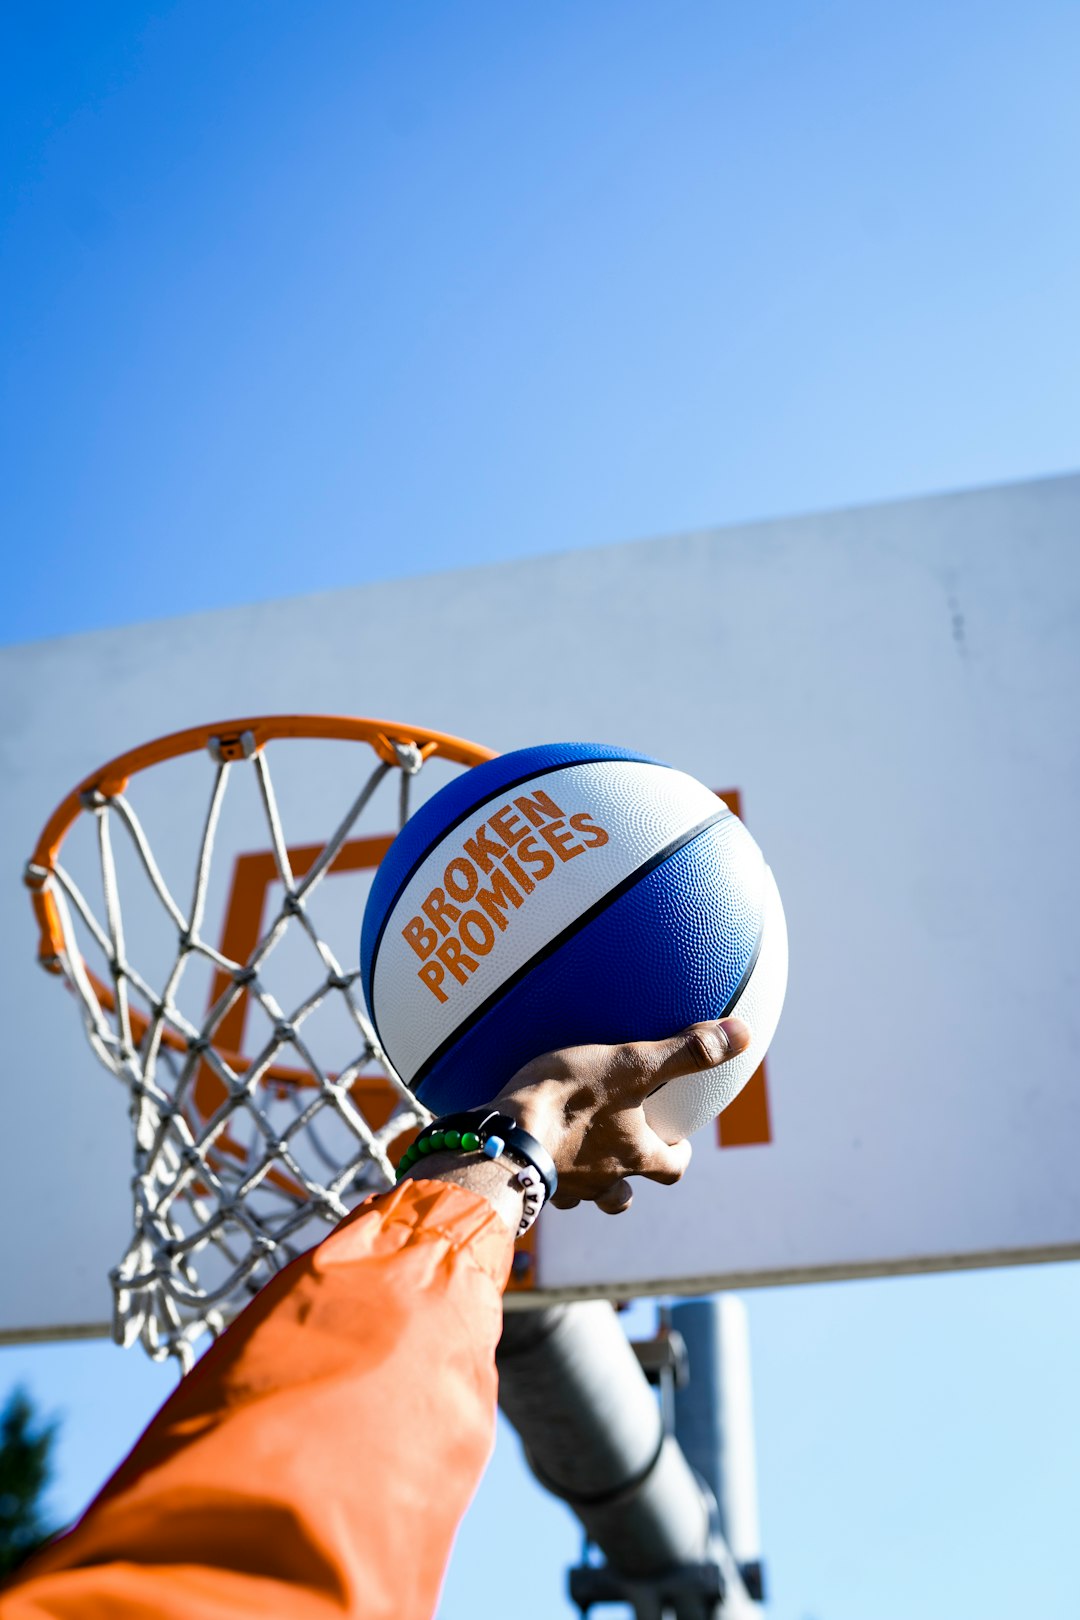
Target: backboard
[891,694]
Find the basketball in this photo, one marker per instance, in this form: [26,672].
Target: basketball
[562,895]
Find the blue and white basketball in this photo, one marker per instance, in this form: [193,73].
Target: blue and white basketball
[562,895]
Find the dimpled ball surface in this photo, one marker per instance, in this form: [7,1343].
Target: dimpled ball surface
[567,894]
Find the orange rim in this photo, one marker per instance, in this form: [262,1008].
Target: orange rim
[231,740]
[373,1094]
[229,736]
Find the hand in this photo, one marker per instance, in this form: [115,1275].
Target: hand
[585,1104]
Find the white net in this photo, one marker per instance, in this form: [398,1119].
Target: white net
[241,1162]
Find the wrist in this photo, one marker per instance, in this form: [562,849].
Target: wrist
[493,1179]
[497,1137]
[536,1109]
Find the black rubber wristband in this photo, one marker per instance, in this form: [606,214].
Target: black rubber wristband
[483,1123]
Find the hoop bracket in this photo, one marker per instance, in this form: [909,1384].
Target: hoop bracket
[236,745]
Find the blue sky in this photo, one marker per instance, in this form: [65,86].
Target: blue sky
[299,297]
[315,294]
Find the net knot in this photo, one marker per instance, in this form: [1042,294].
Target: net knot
[408,756]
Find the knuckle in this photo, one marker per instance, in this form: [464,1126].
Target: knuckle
[708,1045]
[626,1061]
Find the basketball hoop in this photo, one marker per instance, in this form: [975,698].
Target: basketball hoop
[241,1161]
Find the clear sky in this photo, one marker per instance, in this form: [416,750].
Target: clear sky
[304,296]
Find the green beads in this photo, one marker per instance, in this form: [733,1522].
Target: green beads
[437,1142]
[407,1160]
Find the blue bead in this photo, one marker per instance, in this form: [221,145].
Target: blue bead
[494,1146]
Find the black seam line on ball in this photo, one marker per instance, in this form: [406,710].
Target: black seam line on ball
[467,815]
[575,927]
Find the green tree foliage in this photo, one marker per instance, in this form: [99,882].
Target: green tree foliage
[25,1471]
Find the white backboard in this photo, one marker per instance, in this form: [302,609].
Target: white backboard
[893,692]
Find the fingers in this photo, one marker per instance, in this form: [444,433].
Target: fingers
[616,1198]
[663,1163]
[585,1102]
[613,1200]
[668,1163]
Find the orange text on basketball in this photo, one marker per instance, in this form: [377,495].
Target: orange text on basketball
[519,845]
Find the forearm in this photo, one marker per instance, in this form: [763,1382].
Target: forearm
[288,1473]
[354,1400]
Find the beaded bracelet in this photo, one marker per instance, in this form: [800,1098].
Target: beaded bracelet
[497,1136]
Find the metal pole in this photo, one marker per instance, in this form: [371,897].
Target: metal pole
[714,1421]
[593,1435]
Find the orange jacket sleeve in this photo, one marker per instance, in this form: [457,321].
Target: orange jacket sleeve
[316,1462]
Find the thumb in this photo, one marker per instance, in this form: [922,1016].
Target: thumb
[701,1046]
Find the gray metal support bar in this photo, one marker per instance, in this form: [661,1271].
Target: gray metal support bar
[714,1420]
[593,1435]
